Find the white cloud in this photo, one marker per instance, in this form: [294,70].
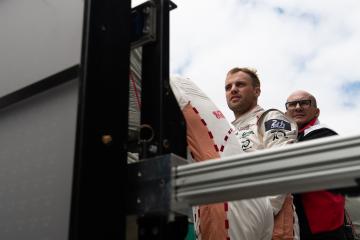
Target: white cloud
[311,45]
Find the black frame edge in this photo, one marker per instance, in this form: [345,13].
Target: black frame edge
[40,86]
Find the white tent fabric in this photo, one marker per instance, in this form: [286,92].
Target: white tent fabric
[135,89]
[134,101]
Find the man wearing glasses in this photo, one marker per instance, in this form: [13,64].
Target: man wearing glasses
[321,213]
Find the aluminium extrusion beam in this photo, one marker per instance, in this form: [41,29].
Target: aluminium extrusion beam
[332,162]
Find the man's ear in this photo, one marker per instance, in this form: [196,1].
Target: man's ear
[257,91]
[317,112]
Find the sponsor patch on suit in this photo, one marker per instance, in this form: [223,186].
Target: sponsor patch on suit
[277,124]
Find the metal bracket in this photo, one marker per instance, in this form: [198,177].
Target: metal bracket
[143,19]
[150,185]
[143,29]
[151,198]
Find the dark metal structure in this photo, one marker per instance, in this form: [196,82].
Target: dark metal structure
[159,110]
[98,199]
[101,182]
[160,115]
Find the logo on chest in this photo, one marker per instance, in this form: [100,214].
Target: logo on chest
[245,139]
[246,134]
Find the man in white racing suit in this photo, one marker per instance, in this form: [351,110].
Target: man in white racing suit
[260,129]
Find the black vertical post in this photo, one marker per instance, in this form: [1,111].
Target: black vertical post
[159,110]
[99,185]
[163,126]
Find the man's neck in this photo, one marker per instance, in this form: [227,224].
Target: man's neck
[309,124]
[239,115]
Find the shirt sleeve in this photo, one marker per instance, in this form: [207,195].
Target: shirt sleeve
[275,129]
[277,202]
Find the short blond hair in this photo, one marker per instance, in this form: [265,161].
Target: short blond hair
[249,71]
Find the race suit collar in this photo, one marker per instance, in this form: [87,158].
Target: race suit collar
[244,118]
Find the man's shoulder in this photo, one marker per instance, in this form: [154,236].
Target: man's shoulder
[276,128]
[271,113]
[275,119]
[317,131]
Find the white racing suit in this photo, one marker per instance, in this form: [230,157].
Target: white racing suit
[211,137]
[261,130]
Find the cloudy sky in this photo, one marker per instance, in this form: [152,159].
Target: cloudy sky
[310,45]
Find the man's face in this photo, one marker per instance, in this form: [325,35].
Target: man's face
[241,95]
[300,107]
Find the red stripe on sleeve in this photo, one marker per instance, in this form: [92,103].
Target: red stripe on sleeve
[210,135]
[203,121]
[227,224]
[226,207]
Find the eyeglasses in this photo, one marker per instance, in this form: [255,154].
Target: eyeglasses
[302,104]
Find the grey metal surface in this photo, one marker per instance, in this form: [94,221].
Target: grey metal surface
[38,38]
[37,144]
[331,162]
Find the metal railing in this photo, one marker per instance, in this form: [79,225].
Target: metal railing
[332,162]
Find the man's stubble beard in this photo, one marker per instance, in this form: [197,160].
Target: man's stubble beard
[241,109]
